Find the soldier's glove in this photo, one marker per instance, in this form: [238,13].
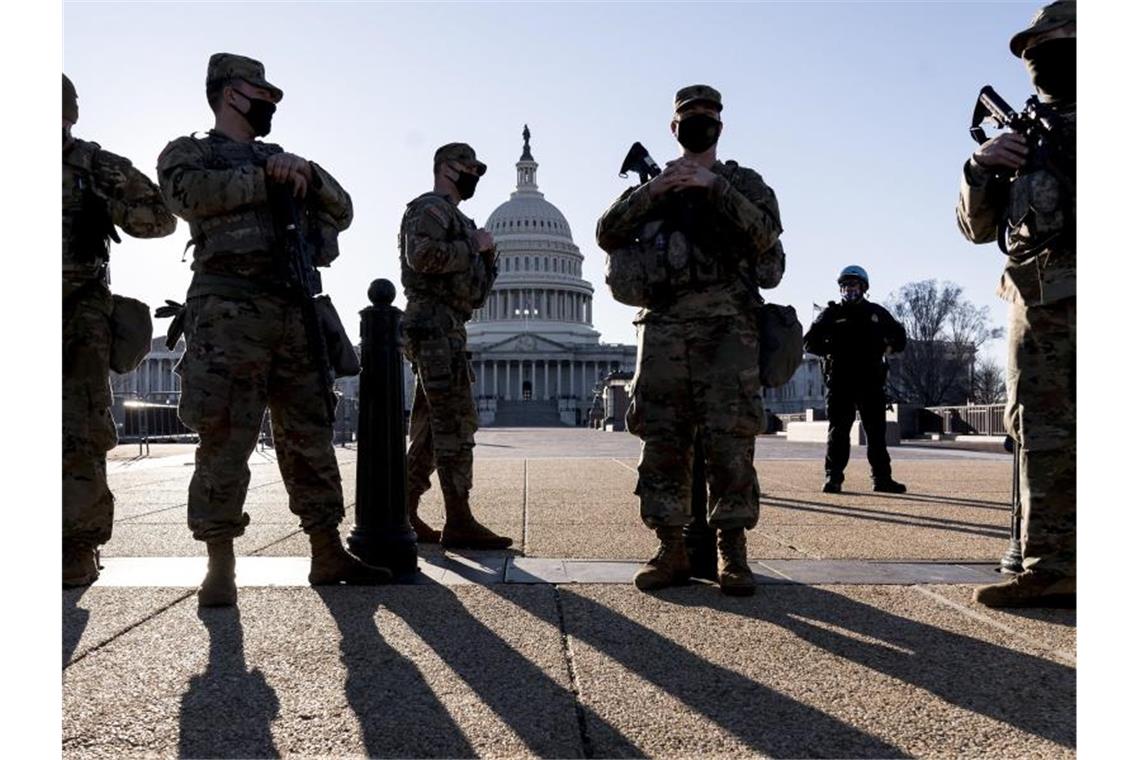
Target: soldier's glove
[174,332]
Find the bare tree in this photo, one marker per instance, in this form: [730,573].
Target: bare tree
[944,334]
[989,383]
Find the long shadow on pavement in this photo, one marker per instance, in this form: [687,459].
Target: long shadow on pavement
[228,709]
[884,516]
[516,689]
[399,714]
[1028,692]
[761,717]
[74,621]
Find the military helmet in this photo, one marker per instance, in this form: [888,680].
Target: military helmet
[857,272]
[70,101]
[1053,16]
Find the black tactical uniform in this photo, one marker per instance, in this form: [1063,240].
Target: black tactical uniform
[852,337]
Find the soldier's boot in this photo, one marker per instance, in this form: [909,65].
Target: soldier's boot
[732,572]
[80,566]
[833,486]
[669,566]
[888,485]
[425,534]
[332,564]
[1030,589]
[462,531]
[219,587]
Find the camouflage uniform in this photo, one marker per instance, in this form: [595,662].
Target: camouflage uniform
[697,351]
[445,280]
[100,189]
[246,345]
[1037,208]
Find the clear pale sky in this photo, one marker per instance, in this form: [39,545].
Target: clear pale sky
[855,113]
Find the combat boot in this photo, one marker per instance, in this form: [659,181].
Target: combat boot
[833,486]
[80,567]
[669,566]
[1030,589]
[425,534]
[332,564]
[888,485]
[462,531]
[219,589]
[732,572]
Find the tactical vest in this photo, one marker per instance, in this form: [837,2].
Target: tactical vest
[462,291]
[244,230]
[87,226]
[679,252]
[1041,224]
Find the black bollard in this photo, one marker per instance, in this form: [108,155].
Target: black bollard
[700,539]
[1011,560]
[382,535]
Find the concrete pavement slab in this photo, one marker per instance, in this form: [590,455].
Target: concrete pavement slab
[393,672]
[628,540]
[890,541]
[446,569]
[800,671]
[840,509]
[1056,629]
[94,615]
[174,539]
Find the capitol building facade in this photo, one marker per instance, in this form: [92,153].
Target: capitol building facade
[536,356]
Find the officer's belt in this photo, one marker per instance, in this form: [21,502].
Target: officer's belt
[236,286]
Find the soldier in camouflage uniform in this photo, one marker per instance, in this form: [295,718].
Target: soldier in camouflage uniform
[100,191]
[246,344]
[1027,201]
[717,223]
[447,267]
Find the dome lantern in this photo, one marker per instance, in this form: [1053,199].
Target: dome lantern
[527,167]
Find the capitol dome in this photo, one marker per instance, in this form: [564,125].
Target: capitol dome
[535,356]
[540,287]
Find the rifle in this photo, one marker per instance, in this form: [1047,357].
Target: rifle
[1042,128]
[305,279]
[639,160]
[1011,560]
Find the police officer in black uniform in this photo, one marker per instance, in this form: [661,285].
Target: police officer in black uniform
[852,336]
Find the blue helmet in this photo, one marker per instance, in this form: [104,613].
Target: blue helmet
[855,271]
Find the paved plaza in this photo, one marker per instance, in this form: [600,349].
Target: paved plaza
[861,640]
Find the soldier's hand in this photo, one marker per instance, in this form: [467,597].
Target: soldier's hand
[482,240]
[300,184]
[692,174]
[668,180]
[280,166]
[1006,151]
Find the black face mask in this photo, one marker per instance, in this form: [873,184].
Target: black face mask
[465,183]
[1053,69]
[698,133]
[259,115]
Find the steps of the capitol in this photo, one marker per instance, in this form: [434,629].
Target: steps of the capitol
[527,414]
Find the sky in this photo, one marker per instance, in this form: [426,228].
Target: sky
[855,113]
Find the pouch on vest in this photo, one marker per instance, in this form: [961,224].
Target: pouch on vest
[638,274]
[131,332]
[342,357]
[434,362]
[781,343]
